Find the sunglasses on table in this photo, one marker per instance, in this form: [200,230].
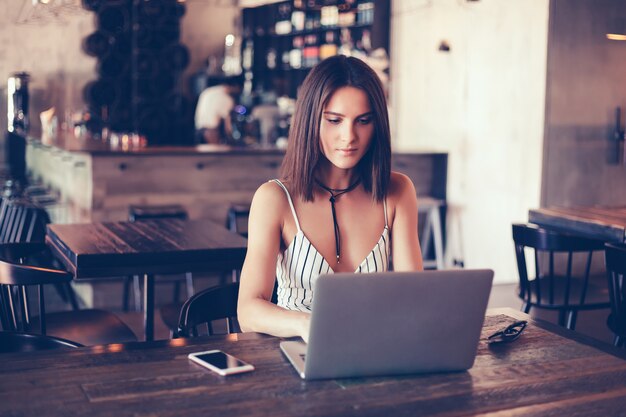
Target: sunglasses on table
[508,334]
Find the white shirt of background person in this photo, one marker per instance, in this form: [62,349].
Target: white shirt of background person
[214,104]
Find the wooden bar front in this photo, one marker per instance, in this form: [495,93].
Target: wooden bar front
[98,184]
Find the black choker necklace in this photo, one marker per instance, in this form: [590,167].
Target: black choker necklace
[334,193]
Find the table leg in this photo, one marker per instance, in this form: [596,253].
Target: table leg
[148,306]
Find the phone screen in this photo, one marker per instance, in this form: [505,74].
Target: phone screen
[221,360]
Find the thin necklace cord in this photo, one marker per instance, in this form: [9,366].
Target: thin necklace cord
[334,193]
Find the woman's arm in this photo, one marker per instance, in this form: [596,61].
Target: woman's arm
[255,311]
[405,246]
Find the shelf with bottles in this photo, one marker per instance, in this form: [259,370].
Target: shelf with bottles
[282,41]
[289,18]
[316,30]
[302,52]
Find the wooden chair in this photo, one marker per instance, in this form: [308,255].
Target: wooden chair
[566,293]
[26,342]
[17,277]
[236,222]
[22,221]
[206,306]
[616,272]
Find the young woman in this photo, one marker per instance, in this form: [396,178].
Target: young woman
[338,208]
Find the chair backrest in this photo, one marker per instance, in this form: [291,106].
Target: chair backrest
[551,242]
[169,211]
[616,272]
[22,221]
[26,342]
[237,219]
[15,279]
[206,306]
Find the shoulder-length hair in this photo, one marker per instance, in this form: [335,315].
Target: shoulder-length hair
[304,151]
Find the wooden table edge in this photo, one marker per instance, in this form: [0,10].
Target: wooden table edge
[560,331]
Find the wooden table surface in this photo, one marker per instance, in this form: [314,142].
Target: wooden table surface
[604,223]
[147,247]
[95,250]
[548,371]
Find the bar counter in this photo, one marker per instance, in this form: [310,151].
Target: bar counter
[97,182]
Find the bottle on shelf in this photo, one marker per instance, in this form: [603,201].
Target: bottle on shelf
[347,13]
[329,16]
[329,47]
[312,19]
[364,45]
[270,58]
[347,46]
[365,13]
[283,20]
[295,55]
[247,55]
[311,52]
[298,18]
[285,46]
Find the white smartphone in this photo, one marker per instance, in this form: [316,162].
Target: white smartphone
[221,362]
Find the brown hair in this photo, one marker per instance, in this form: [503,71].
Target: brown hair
[303,149]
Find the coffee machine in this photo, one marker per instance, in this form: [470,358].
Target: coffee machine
[17,126]
[17,94]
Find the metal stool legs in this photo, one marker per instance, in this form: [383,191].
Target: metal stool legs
[432,230]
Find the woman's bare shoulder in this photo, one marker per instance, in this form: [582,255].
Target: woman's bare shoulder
[269,199]
[400,185]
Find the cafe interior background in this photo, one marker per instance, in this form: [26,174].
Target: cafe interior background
[521,94]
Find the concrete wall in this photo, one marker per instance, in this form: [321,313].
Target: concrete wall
[586,74]
[204,27]
[483,102]
[49,48]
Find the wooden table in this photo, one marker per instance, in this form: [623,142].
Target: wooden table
[547,371]
[604,223]
[167,246]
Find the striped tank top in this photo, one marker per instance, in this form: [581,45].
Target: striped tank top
[300,264]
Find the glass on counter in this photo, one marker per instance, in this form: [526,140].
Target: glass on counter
[126,141]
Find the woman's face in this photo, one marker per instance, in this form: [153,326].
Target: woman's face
[347,127]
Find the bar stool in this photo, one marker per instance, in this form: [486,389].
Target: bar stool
[166,211]
[432,229]
[145,212]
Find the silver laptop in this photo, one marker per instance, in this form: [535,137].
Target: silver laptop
[392,323]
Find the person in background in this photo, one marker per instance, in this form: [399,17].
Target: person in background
[212,118]
[338,206]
